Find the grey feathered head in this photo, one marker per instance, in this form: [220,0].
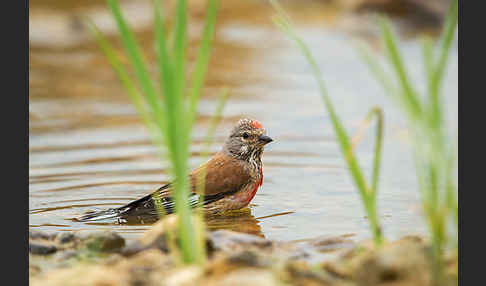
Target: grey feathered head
[247,140]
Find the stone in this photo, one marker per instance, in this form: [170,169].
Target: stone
[226,240]
[106,241]
[35,234]
[65,237]
[41,248]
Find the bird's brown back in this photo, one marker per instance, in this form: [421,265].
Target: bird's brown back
[228,174]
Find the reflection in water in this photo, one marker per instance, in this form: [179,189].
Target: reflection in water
[241,221]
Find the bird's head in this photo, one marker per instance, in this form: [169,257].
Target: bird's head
[247,140]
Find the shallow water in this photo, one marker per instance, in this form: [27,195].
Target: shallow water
[88,150]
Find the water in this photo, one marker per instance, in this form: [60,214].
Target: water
[89,151]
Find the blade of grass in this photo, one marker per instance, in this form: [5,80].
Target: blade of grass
[378,114]
[283,22]
[341,135]
[446,40]
[377,70]
[215,119]
[202,59]
[180,46]
[135,57]
[168,108]
[432,158]
[428,58]
[439,68]
[127,82]
[201,179]
[165,64]
[371,194]
[178,144]
[208,140]
[409,94]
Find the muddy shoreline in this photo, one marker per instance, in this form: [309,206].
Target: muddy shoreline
[234,258]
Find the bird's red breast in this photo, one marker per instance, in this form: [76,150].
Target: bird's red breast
[256,186]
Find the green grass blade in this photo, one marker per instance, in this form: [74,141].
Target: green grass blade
[127,82]
[215,119]
[341,135]
[378,114]
[180,46]
[202,59]
[428,58]
[434,164]
[135,57]
[367,195]
[446,40]
[377,70]
[439,69]
[178,129]
[165,64]
[170,112]
[409,94]
[451,187]
[208,140]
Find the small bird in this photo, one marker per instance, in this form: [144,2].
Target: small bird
[233,176]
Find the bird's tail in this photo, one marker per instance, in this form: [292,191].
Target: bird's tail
[99,215]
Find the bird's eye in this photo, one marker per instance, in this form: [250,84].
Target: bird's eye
[245,135]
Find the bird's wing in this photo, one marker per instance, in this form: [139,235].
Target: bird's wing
[224,174]
[145,205]
[162,198]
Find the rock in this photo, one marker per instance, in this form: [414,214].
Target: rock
[41,248]
[65,237]
[226,240]
[106,241]
[133,248]
[403,261]
[35,234]
[150,267]
[246,259]
[224,262]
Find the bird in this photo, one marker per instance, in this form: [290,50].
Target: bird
[233,177]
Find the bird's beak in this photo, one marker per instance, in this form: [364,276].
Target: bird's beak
[265,139]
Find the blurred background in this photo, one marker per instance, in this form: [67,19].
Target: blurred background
[88,150]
